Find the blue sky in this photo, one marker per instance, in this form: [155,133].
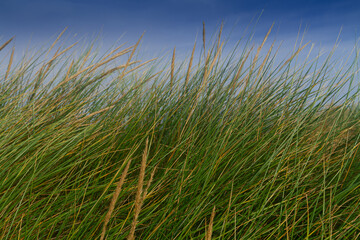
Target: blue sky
[176,23]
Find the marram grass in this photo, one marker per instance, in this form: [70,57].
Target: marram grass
[220,147]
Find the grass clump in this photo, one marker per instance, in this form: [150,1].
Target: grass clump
[234,147]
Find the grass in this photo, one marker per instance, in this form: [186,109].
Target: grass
[231,147]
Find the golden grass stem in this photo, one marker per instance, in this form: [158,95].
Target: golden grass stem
[149,182]
[56,40]
[94,113]
[260,47]
[138,66]
[10,63]
[95,66]
[86,57]
[219,36]
[204,37]
[114,199]
[241,66]
[56,55]
[113,51]
[292,56]
[131,55]
[172,68]
[214,60]
[210,227]
[189,68]
[139,196]
[6,43]
[115,69]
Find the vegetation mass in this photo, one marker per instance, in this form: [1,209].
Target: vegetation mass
[215,147]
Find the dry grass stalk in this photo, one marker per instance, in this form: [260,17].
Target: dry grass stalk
[241,67]
[138,66]
[205,72]
[93,67]
[115,69]
[51,47]
[113,51]
[172,68]
[51,61]
[56,40]
[149,182]
[161,223]
[210,228]
[114,199]
[6,43]
[189,68]
[56,55]
[40,73]
[214,60]
[264,62]
[86,57]
[119,54]
[204,37]
[94,113]
[292,56]
[10,63]
[219,36]
[259,48]
[68,71]
[139,196]
[131,55]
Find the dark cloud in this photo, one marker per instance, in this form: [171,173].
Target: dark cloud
[175,22]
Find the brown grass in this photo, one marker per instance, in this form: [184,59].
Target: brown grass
[114,199]
[6,43]
[139,196]
[189,68]
[204,38]
[172,68]
[10,63]
[210,227]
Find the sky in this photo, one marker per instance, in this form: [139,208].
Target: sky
[177,23]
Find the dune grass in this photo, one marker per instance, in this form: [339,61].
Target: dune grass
[220,147]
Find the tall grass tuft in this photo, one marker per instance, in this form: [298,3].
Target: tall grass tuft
[238,146]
